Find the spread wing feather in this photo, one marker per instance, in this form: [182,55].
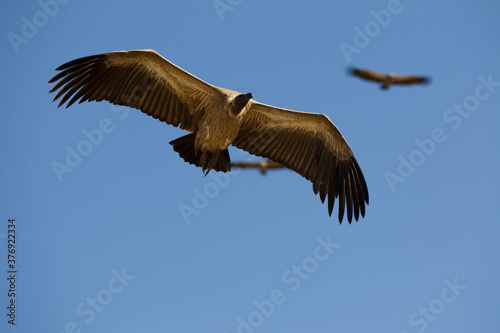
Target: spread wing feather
[368,74]
[311,145]
[141,79]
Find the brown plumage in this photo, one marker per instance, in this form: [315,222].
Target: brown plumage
[308,143]
[263,165]
[387,79]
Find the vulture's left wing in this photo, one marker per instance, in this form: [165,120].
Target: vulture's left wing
[311,145]
[368,74]
[409,79]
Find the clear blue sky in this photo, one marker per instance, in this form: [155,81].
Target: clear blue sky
[105,248]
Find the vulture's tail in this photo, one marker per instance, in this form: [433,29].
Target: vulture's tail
[207,160]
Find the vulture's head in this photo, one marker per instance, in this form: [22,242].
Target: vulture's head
[239,102]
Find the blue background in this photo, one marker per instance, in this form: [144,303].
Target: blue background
[118,210]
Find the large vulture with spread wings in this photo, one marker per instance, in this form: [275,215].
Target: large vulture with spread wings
[308,143]
[387,79]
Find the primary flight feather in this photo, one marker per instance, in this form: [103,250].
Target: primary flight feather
[307,143]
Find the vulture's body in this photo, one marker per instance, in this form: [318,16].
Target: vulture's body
[263,165]
[387,79]
[308,143]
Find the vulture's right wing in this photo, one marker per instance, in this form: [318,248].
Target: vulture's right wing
[368,75]
[141,79]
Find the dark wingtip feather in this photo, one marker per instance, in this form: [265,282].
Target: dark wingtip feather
[341,201]
[79,61]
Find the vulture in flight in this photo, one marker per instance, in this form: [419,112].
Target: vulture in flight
[263,165]
[387,79]
[307,143]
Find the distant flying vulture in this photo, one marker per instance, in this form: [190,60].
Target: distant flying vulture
[263,165]
[307,143]
[388,79]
